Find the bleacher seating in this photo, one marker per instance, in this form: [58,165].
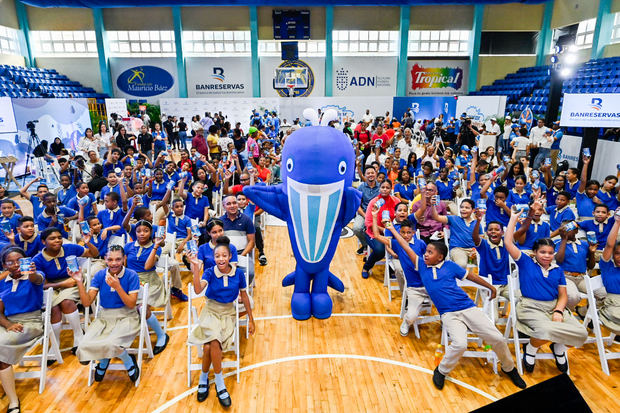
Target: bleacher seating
[34,82]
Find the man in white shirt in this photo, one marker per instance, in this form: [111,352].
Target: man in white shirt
[505,140]
[489,138]
[368,118]
[406,145]
[538,140]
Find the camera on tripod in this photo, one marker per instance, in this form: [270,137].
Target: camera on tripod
[30,125]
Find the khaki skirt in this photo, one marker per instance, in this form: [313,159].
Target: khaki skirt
[534,318]
[109,334]
[157,295]
[609,313]
[62,294]
[216,322]
[13,346]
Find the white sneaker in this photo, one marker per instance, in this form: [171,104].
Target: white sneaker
[404,328]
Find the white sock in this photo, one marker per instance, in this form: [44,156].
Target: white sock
[530,349]
[74,321]
[560,349]
[56,328]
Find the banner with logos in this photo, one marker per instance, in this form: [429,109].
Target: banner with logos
[235,109]
[425,107]
[315,67]
[364,76]
[606,159]
[7,117]
[349,108]
[437,77]
[593,110]
[481,108]
[570,148]
[144,78]
[116,105]
[219,77]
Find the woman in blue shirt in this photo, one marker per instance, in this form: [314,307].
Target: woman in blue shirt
[541,311]
[118,323]
[141,256]
[216,325]
[405,190]
[461,230]
[413,164]
[610,271]
[21,324]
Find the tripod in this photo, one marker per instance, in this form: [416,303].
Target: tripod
[34,139]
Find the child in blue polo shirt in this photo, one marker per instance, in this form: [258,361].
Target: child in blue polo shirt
[493,255]
[52,261]
[215,230]
[196,204]
[532,227]
[559,212]
[111,217]
[586,194]
[609,312]
[600,225]
[54,216]
[9,219]
[21,324]
[541,311]
[157,186]
[36,200]
[608,194]
[114,185]
[518,194]
[26,237]
[458,312]
[67,191]
[98,239]
[215,331]
[83,196]
[110,334]
[461,228]
[498,207]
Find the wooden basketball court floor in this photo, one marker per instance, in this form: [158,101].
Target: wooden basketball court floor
[356,361]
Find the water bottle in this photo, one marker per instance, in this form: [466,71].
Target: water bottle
[547,161]
[438,354]
[481,204]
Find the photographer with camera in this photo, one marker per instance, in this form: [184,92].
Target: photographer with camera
[467,134]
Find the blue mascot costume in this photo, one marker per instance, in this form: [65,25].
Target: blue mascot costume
[316,200]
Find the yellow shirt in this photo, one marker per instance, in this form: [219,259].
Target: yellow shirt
[212,142]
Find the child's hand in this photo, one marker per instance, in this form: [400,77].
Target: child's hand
[251,327]
[77,276]
[104,234]
[19,328]
[113,281]
[86,238]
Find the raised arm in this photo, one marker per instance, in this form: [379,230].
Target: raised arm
[561,254]
[435,216]
[404,245]
[375,229]
[514,252]
[476,233]
[611,239]
[24,190]
[584,174]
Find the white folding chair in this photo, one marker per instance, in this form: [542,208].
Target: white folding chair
[166,311]
[144,341]
[593,284]
[389,282]
[425,313]
[192,322]
[50,349]
[85,316]
[489,355]
[243,263]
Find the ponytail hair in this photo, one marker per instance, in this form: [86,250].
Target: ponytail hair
[224,242]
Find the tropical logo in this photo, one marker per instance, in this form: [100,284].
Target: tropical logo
[145,81]
[218,74]
[436,77]
[597,103]
[298,92]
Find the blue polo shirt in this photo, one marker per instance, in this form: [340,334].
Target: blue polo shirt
[137,256]
[495,213]
[12,221]
[55,268]
[405,190]
[64,195]
[32,247]
[178,225]
[516,198]
[409,269]
[112,217]
[557,216]
[224,289]
[608,198]
[205,254]
[109,298]
[368,194]
[534,284]
[572,188]
[171,177]
[109,167]
[132,231]
[44,220]
[611,275]
[441,286]
[494,261]
[461,232]
[37,205]
[585,205]
[195,207]
[107,189]
[552,194]
[88,208]
[100,244]
[26,298]
[557,135]
[159,190]
[238,229]
[601,229]
[575,256]
[535,231]
[445,190]
[543,187]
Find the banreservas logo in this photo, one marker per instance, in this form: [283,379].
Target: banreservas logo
[597,103]
[145,81]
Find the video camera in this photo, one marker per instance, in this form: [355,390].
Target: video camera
[30,125]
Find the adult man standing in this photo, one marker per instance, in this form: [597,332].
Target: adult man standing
[145,140]
[200,143]
[367,118]
[505,139]
[537,137]
[489,138]
[557,136]
[369,190]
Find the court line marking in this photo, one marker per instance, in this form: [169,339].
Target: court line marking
[280,317]
[186,393]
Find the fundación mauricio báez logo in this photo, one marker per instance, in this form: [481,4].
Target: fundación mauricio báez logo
[343,80]
[145,81]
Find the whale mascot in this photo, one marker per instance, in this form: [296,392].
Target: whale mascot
[316,200]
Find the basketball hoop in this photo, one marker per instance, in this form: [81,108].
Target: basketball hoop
[290,85]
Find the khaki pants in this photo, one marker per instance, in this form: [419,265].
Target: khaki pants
[400,274]
[415,299]
[572,291]
[460,256]
[473,319]
[580,284]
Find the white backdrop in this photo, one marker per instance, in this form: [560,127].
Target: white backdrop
[219,77]
[594,110]
[364,76]
[481,108]
[347,107]
[437,77]
[606,159]
[268,67]
[119,64]
[570,148]
[116,105]
[7,117]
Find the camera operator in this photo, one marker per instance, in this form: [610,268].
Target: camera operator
[467,134]
[439,134]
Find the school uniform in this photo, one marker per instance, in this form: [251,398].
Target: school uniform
[535,231]
[107,189]
[159,190]
[494,261]
[415,290]
[112,217]
[217,318]
[98,263]
[609,312]
[205,254]
[608,198]
[459,313]
[461,241]
[74,204]
[575,267]
[572,188]
[539,294]
[601,229]
[12,221]
[55,270]
[518,198]
[136,259]
[496,213]
[552,194]
[44,219]
[111,167]
[37,205]
[557,216]
[178,225]
[585,205]
[65,194]
[405,190]
[30,246]
[116,326]
[171,177]
[22,304]
[445,190]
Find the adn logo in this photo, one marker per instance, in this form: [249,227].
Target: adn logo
[218,74]
[597,103]
[145,81]
[342,79]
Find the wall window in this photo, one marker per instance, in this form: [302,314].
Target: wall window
[615,34]
[585,33]
[76,43]
[221,43]
[306,48]
[438,42]
[365,42]
[9,41]
[142,43]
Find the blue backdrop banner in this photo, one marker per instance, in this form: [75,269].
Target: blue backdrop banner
[425,107]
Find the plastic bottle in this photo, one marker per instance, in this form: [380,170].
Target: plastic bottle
[487,349]
[438,354]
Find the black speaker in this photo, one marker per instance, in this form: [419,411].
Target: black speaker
[557,394]
[290,51]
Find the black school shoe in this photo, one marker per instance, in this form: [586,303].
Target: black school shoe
[438,378]
[513,375]
[563,367]
[203,392]
[98,369]
[159,349]
[225,402]
[135,371]
[527,366]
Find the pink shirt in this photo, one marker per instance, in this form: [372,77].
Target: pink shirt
[252,147]
[390,205]
[428,225]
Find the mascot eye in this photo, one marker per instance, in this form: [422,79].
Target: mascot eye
[342,167]
[289,164]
